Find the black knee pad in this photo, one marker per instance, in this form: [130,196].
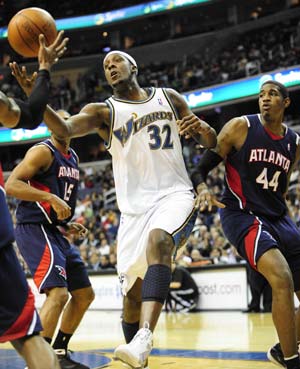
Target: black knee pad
[156,283]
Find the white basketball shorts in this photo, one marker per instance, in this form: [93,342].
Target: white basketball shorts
[174,213]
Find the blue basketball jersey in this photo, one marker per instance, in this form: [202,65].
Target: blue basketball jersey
[6,225]
[60,179]
[256,176]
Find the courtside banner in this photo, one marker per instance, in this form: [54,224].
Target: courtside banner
[119,15]
[220,289]
[107,293]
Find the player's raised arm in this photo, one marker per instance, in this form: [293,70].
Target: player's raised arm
[191,125]
[92,117]
[15,113]
[18,114]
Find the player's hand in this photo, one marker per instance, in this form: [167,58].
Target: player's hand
[48,55]
[77,229]
[205,199]
[25,81]
[61,208]
[191,124]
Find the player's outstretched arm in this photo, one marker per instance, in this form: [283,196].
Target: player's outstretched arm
[18,114]
[189,125]
[88,120]
[94,117]
[36,160]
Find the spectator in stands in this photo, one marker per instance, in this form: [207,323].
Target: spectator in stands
[113,260]
[94,260]
[104,248]
[198,259]
[104,263]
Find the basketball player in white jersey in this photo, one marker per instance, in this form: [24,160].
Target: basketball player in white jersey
[154,192]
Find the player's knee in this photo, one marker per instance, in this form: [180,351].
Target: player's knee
[84,297]
[58,295]
[281,280]
[160,245]
[89,295]
[156,283]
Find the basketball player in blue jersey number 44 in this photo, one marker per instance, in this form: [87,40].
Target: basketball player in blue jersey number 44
[154,192]
[260,152]
[20,323]
[46,181]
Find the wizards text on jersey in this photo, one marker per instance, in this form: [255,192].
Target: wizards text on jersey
[132,126]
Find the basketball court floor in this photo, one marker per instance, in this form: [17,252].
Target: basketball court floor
[210,340]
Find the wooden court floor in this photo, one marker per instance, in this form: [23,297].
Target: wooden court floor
[210,340]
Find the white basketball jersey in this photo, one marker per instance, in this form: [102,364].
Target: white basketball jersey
[146,151]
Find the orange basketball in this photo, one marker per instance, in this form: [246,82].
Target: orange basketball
[25,27]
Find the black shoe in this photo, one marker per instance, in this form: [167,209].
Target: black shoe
[275,355]
[251,310]
[66,362]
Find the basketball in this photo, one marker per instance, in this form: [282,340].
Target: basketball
[25,27]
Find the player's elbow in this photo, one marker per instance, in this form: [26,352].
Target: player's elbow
[9,187]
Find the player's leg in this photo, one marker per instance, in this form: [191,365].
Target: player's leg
[289,236]
[73,313]
[272,260]
[169,223]
[158,277]
[20,323]
[40,249]
[56,298]
[82,296]
[132,303]
[267,298]
[257,241]
[37,353]
[275,269]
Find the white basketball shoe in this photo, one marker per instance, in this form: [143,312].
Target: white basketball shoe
[136,352]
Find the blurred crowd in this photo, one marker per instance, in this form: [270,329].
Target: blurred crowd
[276,46]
